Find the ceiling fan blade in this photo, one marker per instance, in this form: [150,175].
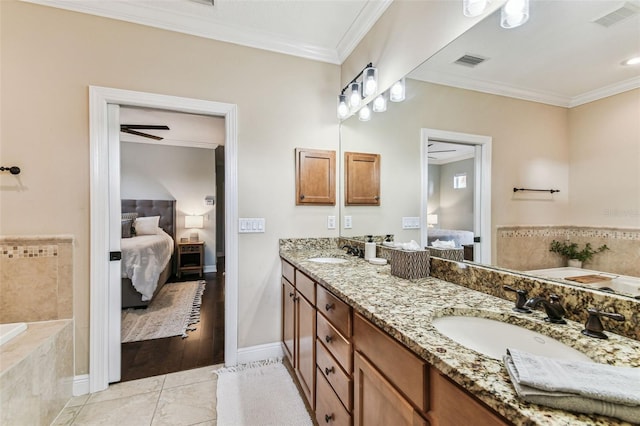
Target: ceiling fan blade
[144,127]
[446,150]
[144,135]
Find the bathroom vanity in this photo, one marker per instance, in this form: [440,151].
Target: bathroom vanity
[365,351]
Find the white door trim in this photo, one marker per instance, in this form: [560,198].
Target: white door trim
[483,183]
[99,98]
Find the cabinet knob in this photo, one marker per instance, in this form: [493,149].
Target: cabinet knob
[296,298]
[328,339]
[328,371]
[328,417]
[329,306]
[291,294]
[302,196]
[376,198]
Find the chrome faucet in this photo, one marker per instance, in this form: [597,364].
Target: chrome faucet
[593,327]
[554,309]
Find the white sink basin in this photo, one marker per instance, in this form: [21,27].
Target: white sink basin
[327,260]
[492,338]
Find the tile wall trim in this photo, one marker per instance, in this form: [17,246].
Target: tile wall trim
[567,232]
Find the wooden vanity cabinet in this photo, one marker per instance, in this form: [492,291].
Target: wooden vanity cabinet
[362,179]
[315,177]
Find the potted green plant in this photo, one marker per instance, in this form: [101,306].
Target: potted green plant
[575,255]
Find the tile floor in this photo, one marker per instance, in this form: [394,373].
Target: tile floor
[176,399]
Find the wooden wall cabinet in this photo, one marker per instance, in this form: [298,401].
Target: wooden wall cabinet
[361,179]
[315,177]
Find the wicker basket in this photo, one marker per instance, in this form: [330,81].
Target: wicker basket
[410,265]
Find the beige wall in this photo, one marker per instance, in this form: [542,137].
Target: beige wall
[604,144]
[49,58]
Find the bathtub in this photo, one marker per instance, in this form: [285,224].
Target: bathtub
[9,331]
[36,371]
[621,284]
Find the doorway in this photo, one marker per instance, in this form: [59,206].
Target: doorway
[472,156]
[104,352]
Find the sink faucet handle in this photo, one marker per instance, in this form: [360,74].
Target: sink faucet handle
[521,299]
[593,327]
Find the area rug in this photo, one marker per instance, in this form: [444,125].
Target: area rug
[260,393]
[174,311]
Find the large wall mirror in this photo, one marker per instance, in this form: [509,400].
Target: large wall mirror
[560,112]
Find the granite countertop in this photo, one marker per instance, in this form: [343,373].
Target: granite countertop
[405,310]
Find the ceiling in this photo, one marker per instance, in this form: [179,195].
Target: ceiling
[445,152]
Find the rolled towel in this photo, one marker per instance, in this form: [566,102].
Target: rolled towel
[569,401]
[620,385]
[443,244]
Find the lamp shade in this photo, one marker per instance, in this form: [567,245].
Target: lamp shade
[397,91]
[194,221]
[432,219]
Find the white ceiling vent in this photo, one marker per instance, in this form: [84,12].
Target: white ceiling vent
[470,60]
[627,10]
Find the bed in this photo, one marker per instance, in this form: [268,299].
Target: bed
[148,259]
[460,238]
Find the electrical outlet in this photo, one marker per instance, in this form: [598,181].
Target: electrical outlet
[331,222]
[347,222]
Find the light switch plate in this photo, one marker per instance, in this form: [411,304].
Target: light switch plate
[348,223]
[331,222]
[248,225]
[410,223]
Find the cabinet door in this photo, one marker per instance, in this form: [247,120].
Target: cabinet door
[376,401]
[315,177]
[362,179]
[305,339]
[288,324]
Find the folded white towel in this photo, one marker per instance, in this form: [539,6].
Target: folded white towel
[444,244]
[569,401]
[598,381]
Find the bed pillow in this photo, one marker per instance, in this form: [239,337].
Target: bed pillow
[147,225]
[127,228]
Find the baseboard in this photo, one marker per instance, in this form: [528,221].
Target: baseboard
[259,352]
[80,385]
[210,268]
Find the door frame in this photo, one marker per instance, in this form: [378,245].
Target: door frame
[99,99]
[482,190]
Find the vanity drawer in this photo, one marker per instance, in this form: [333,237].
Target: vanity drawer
[306,286]
[401,367]
[329,409]
[335,343]
[336,311]
[337,378]
[288,271]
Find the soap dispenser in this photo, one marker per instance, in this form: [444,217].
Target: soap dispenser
[369,248]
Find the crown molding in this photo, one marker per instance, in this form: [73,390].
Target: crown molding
[604,92]
[163,17]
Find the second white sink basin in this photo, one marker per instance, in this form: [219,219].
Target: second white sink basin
[492,338]
[327,260]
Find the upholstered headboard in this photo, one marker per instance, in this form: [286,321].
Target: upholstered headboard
[166,209]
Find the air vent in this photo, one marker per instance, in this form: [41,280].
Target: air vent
[618,15]
[470,60]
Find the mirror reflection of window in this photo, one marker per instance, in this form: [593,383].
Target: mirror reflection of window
[460,181]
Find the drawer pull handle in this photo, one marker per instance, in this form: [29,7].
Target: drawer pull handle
[328,371]
[328,339]
[328,418]
[329,306]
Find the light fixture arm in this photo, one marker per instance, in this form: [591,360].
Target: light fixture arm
[344,89]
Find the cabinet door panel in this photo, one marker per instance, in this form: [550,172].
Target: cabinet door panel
[306,360]
[315,177]
[329,409]
[335,375]
[376,401]
[362,179]
[288,318]
[306,286]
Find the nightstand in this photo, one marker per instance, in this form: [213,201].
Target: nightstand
[191,258]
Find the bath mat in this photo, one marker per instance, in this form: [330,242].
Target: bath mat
[174,311]
[261,393]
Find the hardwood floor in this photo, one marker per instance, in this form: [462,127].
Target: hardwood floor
[204,346]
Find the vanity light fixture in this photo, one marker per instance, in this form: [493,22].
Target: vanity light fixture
[365,113]
[397,91]
[632,61]
[514,13]
[343,108]
[380,103]
[472,8]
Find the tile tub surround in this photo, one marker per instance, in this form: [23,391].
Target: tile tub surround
[36,278]
[623,256]
[36,373]
[405,310]
[575,299]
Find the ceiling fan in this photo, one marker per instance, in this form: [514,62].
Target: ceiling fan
[435,152]
[129,128]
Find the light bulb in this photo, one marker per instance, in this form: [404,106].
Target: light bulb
[370,81]
[397,93]
[355,98]
[365,113]
[471,8]
[380,103]
[343,109]
[514,13]
[632,61]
